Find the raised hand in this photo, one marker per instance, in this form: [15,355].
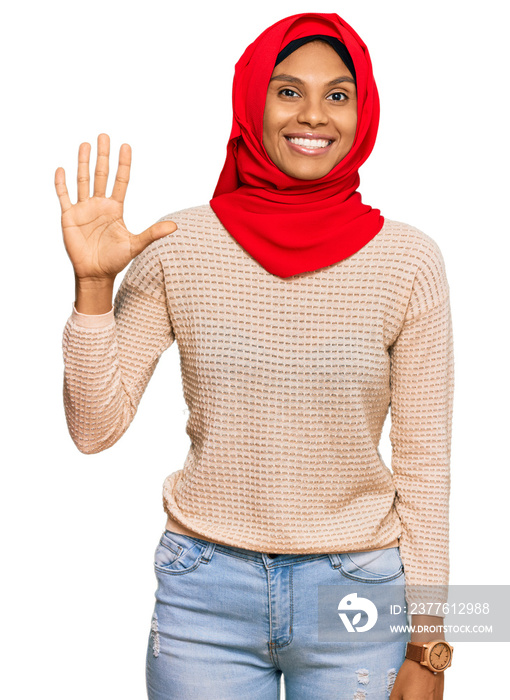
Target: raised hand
[95,235]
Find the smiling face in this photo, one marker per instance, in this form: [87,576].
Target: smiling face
[310,115]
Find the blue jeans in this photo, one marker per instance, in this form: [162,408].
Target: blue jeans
[229,621]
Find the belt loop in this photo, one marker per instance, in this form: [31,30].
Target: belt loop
[336,562]
[208,552]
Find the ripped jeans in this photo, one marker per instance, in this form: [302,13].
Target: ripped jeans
[228,622]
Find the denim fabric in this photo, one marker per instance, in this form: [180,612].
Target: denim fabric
[228,622]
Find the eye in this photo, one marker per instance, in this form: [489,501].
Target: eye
[287,92]
[338,96]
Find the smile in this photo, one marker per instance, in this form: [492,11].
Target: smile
[309,143]
[308,146]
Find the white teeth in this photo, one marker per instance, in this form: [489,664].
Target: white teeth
[310,143]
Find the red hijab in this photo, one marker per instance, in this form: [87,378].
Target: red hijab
[290,225]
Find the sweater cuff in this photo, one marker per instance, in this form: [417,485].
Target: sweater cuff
[92,320]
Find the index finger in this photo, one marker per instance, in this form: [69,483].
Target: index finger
[122,177]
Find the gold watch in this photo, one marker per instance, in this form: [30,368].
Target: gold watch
[435,655]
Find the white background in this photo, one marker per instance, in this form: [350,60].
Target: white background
[78,531]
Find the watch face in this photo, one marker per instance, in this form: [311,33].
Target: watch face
[440,656]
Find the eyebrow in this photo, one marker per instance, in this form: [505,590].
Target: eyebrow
[292,79]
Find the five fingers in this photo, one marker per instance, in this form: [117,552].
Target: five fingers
[100,174]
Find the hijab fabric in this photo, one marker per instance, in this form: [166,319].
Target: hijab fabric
[331,40]
[290,225]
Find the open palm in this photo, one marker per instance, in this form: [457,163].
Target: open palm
[95,235]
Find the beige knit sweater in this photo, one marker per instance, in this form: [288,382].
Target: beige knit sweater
[288,384]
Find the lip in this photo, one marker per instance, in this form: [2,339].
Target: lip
[309,151]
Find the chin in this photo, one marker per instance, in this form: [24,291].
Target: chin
[307,174]
[308,171]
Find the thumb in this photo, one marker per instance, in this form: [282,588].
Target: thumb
[153,233]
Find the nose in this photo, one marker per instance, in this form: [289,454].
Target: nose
[313,112]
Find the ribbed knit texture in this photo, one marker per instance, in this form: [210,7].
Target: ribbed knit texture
[288,383]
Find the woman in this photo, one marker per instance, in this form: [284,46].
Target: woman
[299,313]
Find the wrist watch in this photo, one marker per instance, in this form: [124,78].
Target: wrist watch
[435,655]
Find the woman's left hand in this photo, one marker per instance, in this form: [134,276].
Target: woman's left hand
[415,682]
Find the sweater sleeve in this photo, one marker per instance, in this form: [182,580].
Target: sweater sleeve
[109,358]
[422,385]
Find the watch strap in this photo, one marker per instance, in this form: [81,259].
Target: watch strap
[415,652]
